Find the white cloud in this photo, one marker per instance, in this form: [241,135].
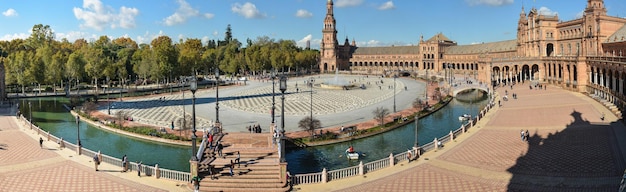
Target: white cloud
[387,5]
[247,10]
[9,37]
[148,37]
[205,39]
[209,15]
[303,13]
[348,3]
[547,11]
[98,16]
[302,42]
[10,13]
[580,14]
[489,2]
[73,35]
[181,15]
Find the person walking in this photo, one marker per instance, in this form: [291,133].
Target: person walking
[210,141]
[219,148]
[526,135]
[96,161]
[237,160]
[231,167]
[139,169]
[124,163]
[40,142]
[522,134]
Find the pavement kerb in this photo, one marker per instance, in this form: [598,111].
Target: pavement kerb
[104,168]
[404,165]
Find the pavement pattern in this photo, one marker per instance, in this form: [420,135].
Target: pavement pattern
[569,149]
[243,105]
[24,166]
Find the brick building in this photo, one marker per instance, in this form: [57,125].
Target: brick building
[583,54]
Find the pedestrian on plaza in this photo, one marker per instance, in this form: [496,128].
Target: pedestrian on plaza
[96,161]
[139,169]
[219,148]
[231,166]
[40,142]
[408,155]
[526,135]
[238,160]
[522,134]
[210,141]
[124,163]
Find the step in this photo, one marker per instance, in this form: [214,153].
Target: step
[226,178]
[217,189]
[264,177]
[246,183]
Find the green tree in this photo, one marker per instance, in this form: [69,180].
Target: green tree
[165,56]
[190,56]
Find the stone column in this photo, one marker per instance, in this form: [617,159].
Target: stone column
[391,160]
[324,176]
[193,168]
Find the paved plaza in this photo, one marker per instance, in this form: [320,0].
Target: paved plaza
[243,105]
[569,149]
[24,166]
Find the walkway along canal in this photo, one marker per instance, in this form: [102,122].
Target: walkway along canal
[50,115]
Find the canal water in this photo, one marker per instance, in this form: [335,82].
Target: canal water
[50,115]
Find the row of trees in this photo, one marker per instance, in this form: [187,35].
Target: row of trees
[40,59]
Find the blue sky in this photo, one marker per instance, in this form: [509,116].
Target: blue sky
[368,22]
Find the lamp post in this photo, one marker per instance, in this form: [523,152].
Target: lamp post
[108,101]
[30,114]
[193,86]
[394,92]
[78,131]
[273,94]
[184,82]
[311,106]
[283,88]
[416,121]
[217,98]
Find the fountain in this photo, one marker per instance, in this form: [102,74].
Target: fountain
[337,83]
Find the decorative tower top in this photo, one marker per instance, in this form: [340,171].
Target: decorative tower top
[595,7]
[329,21]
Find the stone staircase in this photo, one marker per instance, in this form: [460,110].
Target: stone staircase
[258,170]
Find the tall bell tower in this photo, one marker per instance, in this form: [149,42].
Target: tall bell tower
[329,45]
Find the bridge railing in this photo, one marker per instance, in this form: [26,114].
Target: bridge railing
[146,169]
[364,168]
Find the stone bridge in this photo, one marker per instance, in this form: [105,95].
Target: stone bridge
[464,87]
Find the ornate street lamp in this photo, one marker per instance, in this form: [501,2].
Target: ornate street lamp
[193,86]
[273,94]
[311,106]
[283,88]
[78,130]
[217,98]
[30,114]
[394,92]
[416,121]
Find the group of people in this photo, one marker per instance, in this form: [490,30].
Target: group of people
[254,128]
[524,135]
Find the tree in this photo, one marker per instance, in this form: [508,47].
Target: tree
[418,104]
[165,56]
[89,107]
[309,125]
[184,124]
[121,116]
[190,52]
[380,113]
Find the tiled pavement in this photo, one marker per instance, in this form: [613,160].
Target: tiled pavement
[570,149]
[24,166]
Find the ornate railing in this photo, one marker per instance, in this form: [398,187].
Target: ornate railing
[147,169]
[361,169]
